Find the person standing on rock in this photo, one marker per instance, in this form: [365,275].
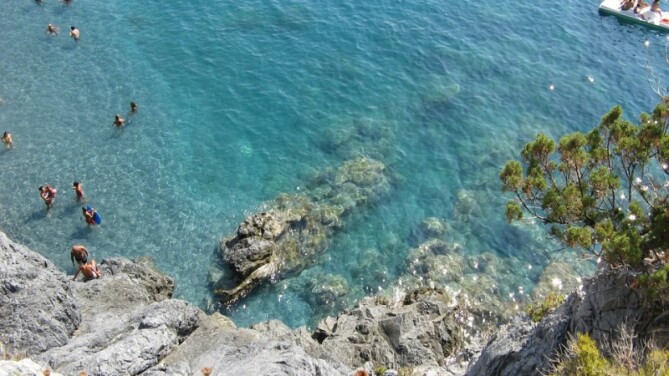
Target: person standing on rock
[90,270]
[79,253]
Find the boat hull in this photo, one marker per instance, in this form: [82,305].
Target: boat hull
[612,8]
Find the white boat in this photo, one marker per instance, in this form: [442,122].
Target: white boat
[613,7]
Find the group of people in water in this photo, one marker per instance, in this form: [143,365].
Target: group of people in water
[74,32]
[651,13]
[78,253]
[119,122]
[48,195]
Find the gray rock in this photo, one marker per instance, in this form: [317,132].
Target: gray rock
[125,286]
[22,367]
[523,348]
[37,308]
[154,286]
[601,314]
[287,237]
[129,344]
[218,345]
[606,304]
[422,332]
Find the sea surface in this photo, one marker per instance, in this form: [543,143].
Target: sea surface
[242,101]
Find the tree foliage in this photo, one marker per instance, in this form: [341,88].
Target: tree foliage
[605,191]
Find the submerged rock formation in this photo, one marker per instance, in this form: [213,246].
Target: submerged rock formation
[482,283]
[296,228]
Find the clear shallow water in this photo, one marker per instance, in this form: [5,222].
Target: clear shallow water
[242,101]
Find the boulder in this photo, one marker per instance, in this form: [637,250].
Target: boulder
[129,344]
[124,287]
[611,302]
[128,322]
[37,308]
[424,331]
[22,367]
[606,303]
[288,237]
[226,350]
[523,348]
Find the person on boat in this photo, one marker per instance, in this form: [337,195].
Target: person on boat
[627,4]
[7,139]
[79,253]
[90,270]
[654,14]
[641,7]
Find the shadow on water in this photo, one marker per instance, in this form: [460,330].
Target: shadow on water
[37,215]
[83,232]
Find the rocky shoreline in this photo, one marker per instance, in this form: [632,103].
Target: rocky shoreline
[126,323]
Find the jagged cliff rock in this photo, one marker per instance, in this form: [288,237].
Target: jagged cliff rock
[219,345]
[420,330]
[126,324]
[606,303]
[23,367]
[37,308]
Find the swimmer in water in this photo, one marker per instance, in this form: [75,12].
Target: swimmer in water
[119,121]
[89,216]
[7,139]
[51,29]
[78,190]
[133,107]
[74,33]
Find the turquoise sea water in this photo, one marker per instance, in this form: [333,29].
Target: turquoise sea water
[241,101]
